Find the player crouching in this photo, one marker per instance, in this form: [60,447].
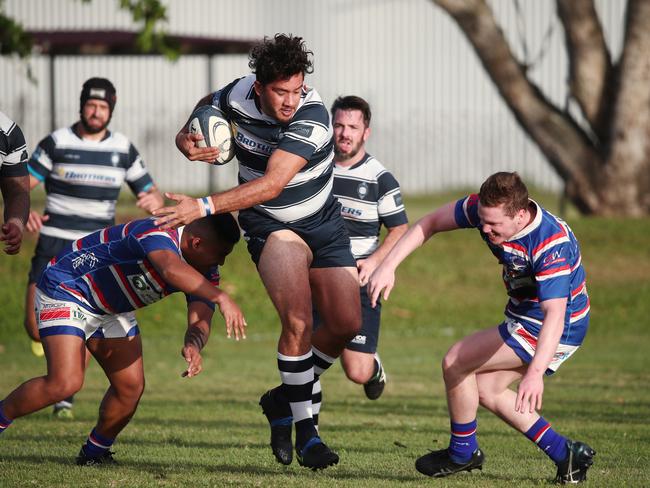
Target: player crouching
[86,297]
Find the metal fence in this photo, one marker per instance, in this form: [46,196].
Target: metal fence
[438,121]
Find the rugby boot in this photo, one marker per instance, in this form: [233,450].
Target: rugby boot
[315,455]
[375,386]
[574,468]
[438,464]
[278,413]
[85,460]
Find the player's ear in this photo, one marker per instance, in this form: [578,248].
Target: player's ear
[366,134]
[196,242]
[257,86]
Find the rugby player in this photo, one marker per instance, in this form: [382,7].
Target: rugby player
[370,197]
[82,168]
[546,319]
[293,228]
[14,184]
[86,297]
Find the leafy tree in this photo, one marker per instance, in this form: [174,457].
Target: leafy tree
[604,158]
[151,38]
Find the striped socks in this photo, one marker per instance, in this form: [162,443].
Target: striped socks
[549,441]
[322,362]
[96,445]
[297,375]
[4,421]
[463,441]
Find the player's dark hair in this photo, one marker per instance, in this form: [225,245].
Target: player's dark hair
[225,227]
[504,188]
[352,102]
[279,58]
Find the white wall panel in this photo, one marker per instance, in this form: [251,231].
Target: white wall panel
[438,121]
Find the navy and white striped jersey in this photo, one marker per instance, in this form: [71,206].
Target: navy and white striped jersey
[108,271]
[83,180]
[308,135]
[542,262]
[13,150]
[370,196]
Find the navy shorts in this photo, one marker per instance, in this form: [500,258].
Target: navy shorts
[46,248]
[367,339]
[324,233]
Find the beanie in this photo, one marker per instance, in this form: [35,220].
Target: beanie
[99,89]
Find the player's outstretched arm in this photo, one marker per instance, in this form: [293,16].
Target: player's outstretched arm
[383,278]
[531,386]
[281,168]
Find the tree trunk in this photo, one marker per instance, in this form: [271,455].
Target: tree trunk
[604,175]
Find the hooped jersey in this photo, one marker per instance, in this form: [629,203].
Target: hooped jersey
[13,150]
[370,196]
[83,179]
[308,135]
[541,262]
[108,271]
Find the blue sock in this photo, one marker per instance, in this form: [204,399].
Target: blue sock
[96,445]
[549,441]
[463,441]
[4,421]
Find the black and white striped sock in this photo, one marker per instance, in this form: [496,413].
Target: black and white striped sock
[297,375]
[322,362]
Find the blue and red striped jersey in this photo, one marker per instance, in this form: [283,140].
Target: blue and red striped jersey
[541,262]
[108,271]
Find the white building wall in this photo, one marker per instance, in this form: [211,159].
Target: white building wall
[438,121]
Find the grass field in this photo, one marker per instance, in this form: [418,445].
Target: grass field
[208,431]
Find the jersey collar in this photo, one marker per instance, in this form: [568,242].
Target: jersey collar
[531,226]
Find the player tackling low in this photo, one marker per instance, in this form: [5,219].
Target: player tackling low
[546,319]
[86,297]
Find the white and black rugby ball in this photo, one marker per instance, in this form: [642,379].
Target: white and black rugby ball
[212,124]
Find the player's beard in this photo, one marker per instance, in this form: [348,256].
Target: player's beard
[345,156]
[93,130]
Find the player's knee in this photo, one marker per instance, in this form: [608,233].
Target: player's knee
[451,366]
[61,387]
[131,390]
[357,373]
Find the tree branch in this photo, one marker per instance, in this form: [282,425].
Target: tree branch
[559,137]
[590,67]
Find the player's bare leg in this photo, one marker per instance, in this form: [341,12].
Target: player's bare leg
[65,355]
[30,317]
[121,360]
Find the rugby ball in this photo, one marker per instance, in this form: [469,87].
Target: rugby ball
[215,128]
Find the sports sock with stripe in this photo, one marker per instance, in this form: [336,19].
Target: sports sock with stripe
[549,441]
[4,421]
[463,441]
[297,375]
[96,444]
[322,362]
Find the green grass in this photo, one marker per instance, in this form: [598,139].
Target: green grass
[208,431]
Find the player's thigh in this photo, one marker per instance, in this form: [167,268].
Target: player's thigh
[336,295]
[65,355]
[121,360]
[492,383]
[484,350]
[284,269]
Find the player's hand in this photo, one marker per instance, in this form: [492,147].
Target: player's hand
[150,200]
[187,144]
[35,221]
[366,267]
[529,393]
[11,233]
[186,211]
[194,360]
[235,321]
[382,279]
